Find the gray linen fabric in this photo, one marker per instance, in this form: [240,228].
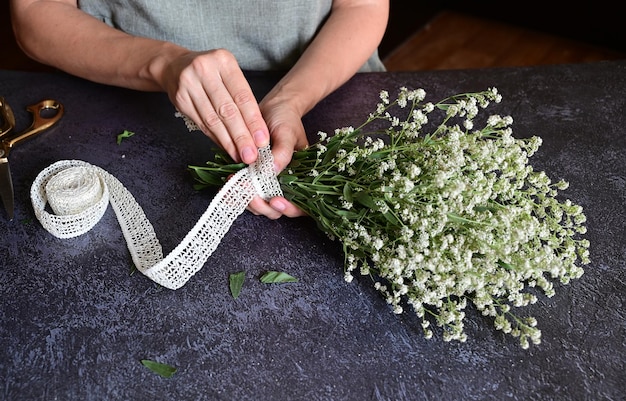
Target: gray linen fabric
[262,34]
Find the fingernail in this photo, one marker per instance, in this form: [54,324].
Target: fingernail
[279,205]
[260,138]
[247,155]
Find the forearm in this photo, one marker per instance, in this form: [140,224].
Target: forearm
[59,34]
[346,41]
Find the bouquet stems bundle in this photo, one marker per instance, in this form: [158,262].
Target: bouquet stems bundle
[441,217]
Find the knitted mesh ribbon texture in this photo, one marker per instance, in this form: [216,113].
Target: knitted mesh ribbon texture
[78,194]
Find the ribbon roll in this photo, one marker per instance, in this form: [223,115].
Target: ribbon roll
[79,194]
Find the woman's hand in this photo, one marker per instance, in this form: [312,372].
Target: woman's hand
[210,88]
[288,135]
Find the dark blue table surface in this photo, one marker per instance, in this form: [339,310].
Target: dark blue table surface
[74,323]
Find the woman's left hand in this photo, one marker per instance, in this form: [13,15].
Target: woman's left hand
[287,135]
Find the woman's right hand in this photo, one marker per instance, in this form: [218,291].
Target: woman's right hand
[210,88]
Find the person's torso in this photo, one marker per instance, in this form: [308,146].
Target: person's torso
[263,35]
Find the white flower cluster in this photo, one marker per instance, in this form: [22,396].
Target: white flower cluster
[443,218]
[440,214]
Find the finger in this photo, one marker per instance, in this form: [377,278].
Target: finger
[210,123]
[284,143]
[285,207]
[225,121]
[275,208]
[192,100]
[260,207]
[248,107]
[237,108]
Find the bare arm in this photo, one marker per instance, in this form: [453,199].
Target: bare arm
[57,33]
[350,36]
[207,86]
[345,42]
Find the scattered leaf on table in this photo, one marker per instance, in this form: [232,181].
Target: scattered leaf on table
[236,282]
[159,368]
[277,277]
[125,134]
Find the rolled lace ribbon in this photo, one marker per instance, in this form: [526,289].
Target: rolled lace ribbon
[79,193]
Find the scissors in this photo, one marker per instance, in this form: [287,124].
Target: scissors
[45,114]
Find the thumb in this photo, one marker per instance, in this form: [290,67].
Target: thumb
[284,144]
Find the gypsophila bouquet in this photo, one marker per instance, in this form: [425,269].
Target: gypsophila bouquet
[441,218]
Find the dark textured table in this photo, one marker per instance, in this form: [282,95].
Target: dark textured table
[75,323]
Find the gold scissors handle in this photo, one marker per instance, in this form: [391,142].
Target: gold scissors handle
[40,122]
[8,119]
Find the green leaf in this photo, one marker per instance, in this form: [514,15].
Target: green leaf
[232,167]
[364,199]
[304,154]
[207,177]
[201,187]
[347,192]
[287,179]
[349,214]
[236,282]
[159,368]
[378,155]
[391,218]
[277,277]
[125,134]
[330,153]
[221,157]
[294,164]
[455,218]
[323,224]
[324,210]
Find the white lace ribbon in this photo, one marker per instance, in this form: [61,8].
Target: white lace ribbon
[79,193]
